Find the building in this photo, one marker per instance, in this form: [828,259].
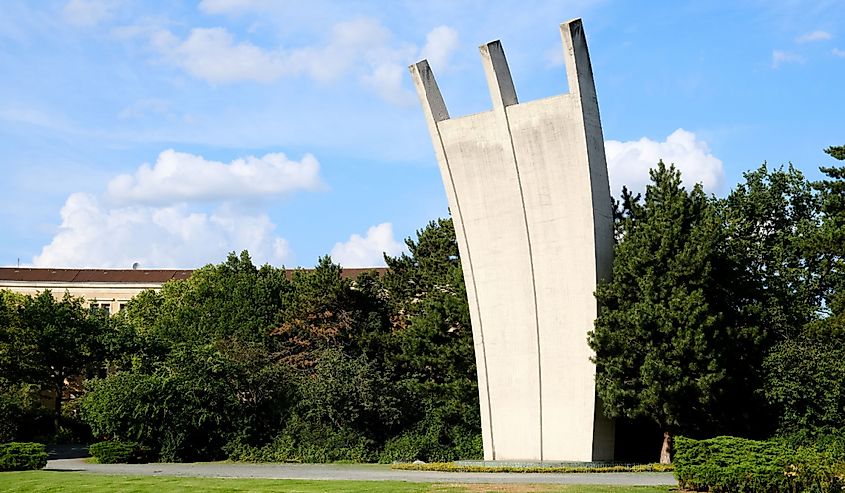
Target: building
[106,289]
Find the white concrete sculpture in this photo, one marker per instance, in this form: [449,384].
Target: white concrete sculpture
[528,192]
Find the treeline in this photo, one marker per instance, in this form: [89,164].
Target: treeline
[723,316]
[257,363]
[727,316]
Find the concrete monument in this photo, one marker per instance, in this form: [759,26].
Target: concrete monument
[528,191]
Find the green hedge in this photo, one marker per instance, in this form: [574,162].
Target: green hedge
[116,452]
[738,465]
[22,456]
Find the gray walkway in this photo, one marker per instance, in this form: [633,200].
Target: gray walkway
[365,472]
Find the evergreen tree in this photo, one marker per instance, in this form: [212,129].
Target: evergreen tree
[666,347]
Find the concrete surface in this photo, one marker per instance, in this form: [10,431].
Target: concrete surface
[528,191]
[357,472]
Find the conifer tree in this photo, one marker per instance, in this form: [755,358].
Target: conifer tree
[665,349]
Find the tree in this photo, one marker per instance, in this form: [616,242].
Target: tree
[768,220]
[804,373]
[62,340]
[435,362]
[665,349]
[323,310]
[830,240]
[195,403]
[231,300]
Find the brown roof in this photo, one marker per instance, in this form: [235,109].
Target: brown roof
[125,275]
[92,275]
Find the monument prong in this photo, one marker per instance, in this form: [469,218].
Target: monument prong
[579,71]
[528,193]
[429,93]
[499,80]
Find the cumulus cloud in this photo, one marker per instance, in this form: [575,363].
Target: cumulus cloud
[369,250]
[814,36]
[838,52]
[362,48]
[86,13]
[149,216]
[92,235]
[628,162]
[182,177]
[780,57]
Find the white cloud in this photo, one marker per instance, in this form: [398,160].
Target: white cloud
[213,55]
[838,52]
[367,251]
[814,36]
[440,43]
[362,49]
[628,162]
[179,177]
[388,81]
[86,13]
[780,57]
[92,235]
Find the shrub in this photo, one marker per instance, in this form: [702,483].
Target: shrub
[433,442]
[22,456]
[116,452]
[738,465]
[301,441]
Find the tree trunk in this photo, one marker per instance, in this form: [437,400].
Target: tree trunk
[57,403]
[666,449]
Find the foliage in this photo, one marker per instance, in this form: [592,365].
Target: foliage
[433,440]
[805,381]
[729,464]
[669,345]
[232,300]
[47,342]
[768,220]
[435,361]
[548,469]
[116,452]
[322,310]
[22,456]
[199,399]
[830,238]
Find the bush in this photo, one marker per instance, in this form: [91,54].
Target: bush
[433,442]
[22,456]
[738,465]
[116,452]
[805,382]
[301,441]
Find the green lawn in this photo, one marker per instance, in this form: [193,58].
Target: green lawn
[54,481]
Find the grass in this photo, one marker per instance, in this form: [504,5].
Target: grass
[54,481]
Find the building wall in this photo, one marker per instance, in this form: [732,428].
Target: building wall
[112,296]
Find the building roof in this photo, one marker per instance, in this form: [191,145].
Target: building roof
[27,274]
[117,276]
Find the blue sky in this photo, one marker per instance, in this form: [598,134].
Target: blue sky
[170,133]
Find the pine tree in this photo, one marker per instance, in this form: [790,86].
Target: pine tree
[665,349]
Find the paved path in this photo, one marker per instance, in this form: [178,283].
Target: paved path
[360,472]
